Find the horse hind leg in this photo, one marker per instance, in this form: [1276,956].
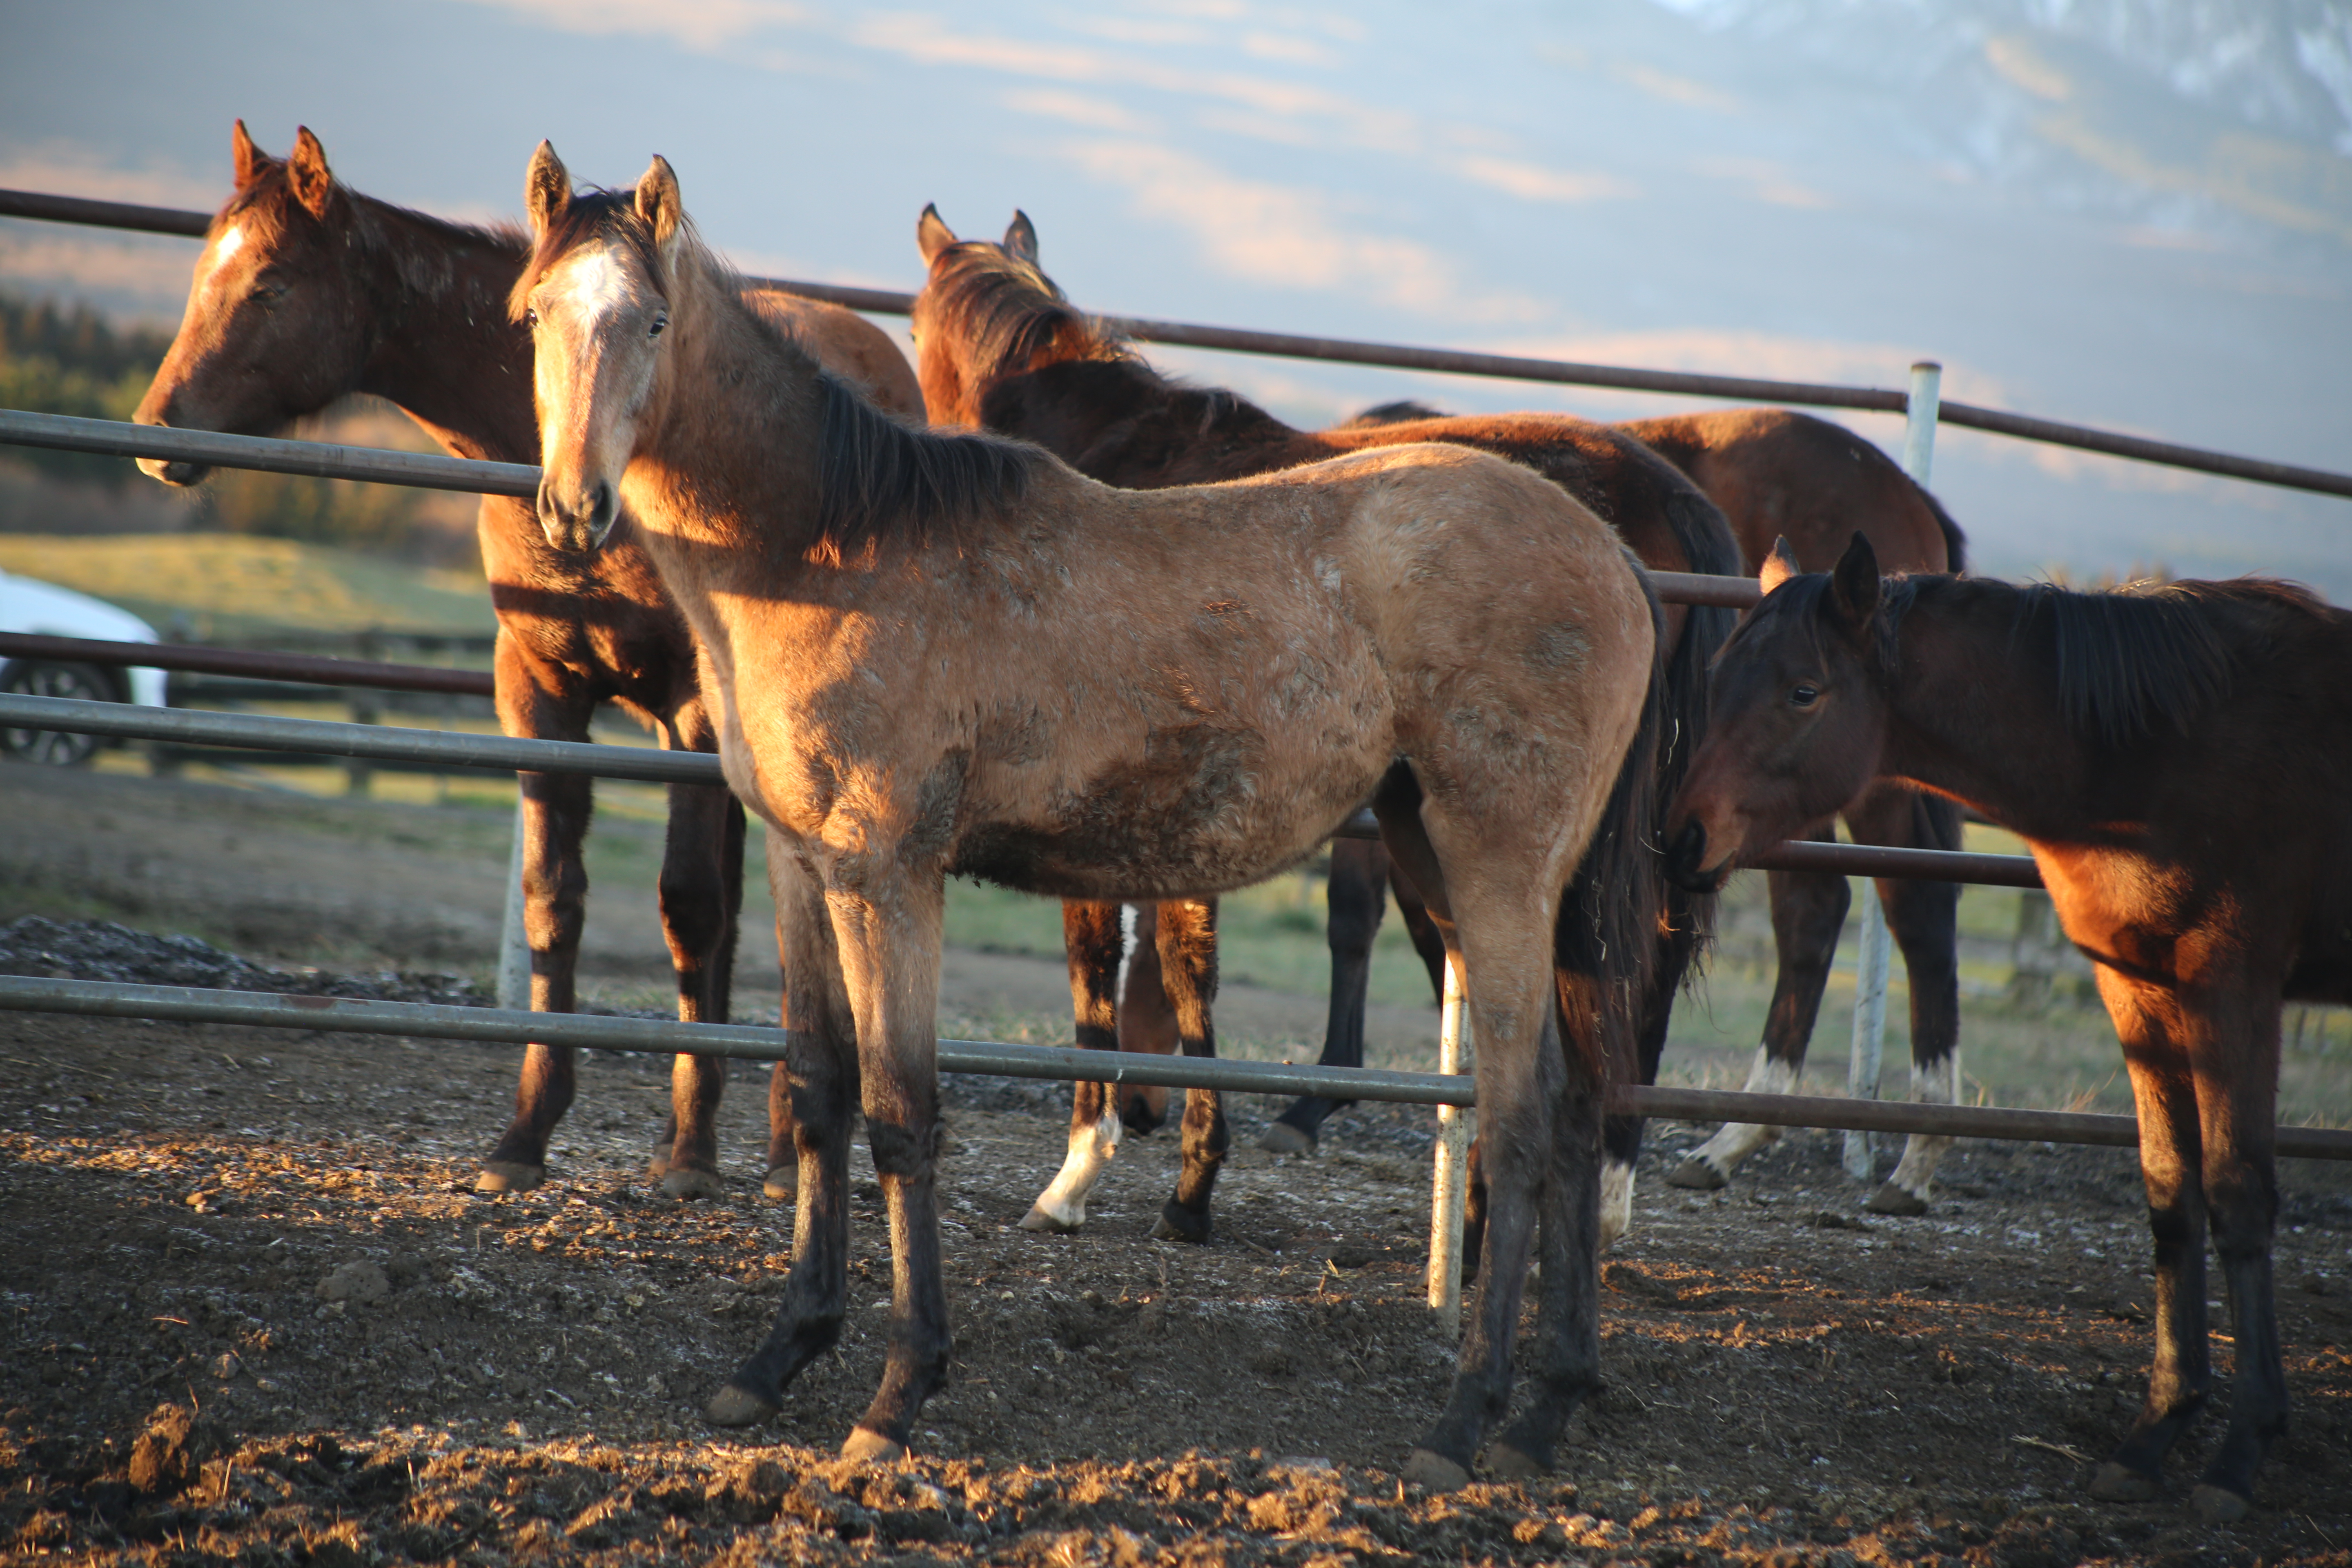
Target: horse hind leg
[1924,920]
[1567,1359]
[1808,909]
[1188,960]
[1094,938]
[700,897]
[1147,1019]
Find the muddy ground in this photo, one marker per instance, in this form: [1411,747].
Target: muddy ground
[254,1312]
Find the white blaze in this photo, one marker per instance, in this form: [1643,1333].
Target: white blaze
[228,245]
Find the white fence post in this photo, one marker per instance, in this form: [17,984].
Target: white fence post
[1870,978]
[1456,1125]
[514,944]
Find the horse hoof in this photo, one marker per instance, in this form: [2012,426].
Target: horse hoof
[1281,1138]
[2121,1483]
[1891,1199]
[684,1183]
[1038,1220]
[2219,1505]
[731,1406]
[657,1167]
[508,1176]
[1179,1224]
[1432,1471]
[865,1445]
[782,1183]
[1697,1175]
[1510,1462]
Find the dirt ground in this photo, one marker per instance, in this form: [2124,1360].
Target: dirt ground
[255,1313]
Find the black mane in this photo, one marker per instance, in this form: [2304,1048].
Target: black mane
[2122,663]
[1010,312]
[876,475]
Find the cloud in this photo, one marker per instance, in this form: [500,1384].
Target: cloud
[1077,109]
[706,25]
[1283,235]
[144,277]
[1766,181]
[1533,182]
[70,168]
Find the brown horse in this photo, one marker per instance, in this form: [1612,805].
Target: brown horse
[999,347]
[2116,733]
[307,290]
[935,654]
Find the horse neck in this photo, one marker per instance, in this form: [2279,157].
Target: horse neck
[445,353]
[726,473]
[1123,423]
[1974,718]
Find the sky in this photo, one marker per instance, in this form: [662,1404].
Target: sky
[2132,214]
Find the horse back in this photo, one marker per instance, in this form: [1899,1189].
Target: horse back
[847,344]
[1779,474]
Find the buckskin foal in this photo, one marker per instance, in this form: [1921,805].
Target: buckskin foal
[933,654]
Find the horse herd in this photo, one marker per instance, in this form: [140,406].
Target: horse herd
[1132,643]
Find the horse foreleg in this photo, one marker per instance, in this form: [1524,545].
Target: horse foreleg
[822,1074]
[2148,1020]
[699,902]
[1358,897]
[537,703]
[1620,1136]
[1567,1312]
[1147,1020]
[1808,910]
[1924,917]
[886,925]
[1188,964]
[2235,1059]
[1095,940]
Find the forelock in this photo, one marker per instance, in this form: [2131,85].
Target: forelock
[594,217]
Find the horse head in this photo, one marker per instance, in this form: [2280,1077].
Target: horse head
[598,296]
[272,330]
[1799,717]
[988,312]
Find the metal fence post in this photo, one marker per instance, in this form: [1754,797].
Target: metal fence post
[1875,955]
[1456,1125]
[514,943]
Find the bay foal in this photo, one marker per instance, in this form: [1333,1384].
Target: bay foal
[307,291]
[2120,735]
[933,654]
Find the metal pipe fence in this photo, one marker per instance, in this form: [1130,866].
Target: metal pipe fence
[748,1042]
[454,749]
[57,208]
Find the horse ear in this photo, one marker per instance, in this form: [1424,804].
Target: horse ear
[306,171]
[1778,566]
[657,204]
[250,161]
[1021,239]
[932,234]
[1853,583]
[546,189]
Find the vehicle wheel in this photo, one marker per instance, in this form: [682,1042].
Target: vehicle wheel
[39,677]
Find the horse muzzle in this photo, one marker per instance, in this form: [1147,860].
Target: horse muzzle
[1687,864]
[578,524]
[175,471]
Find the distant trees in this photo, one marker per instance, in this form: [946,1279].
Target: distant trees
[70,359]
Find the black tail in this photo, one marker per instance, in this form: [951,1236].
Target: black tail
[1605,946]
[1956,543]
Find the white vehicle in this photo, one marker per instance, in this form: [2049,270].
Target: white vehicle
[45,609]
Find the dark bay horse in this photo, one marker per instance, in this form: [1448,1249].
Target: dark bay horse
[1001,347]
[939,654]
[307,290]
[2116,733]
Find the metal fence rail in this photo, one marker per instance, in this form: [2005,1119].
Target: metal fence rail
[754,1043]
[884,302]
[449,748]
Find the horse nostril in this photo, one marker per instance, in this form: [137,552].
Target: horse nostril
[1688,851]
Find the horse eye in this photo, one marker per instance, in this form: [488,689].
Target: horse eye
[656,330]
[1803,696]
[529,316]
